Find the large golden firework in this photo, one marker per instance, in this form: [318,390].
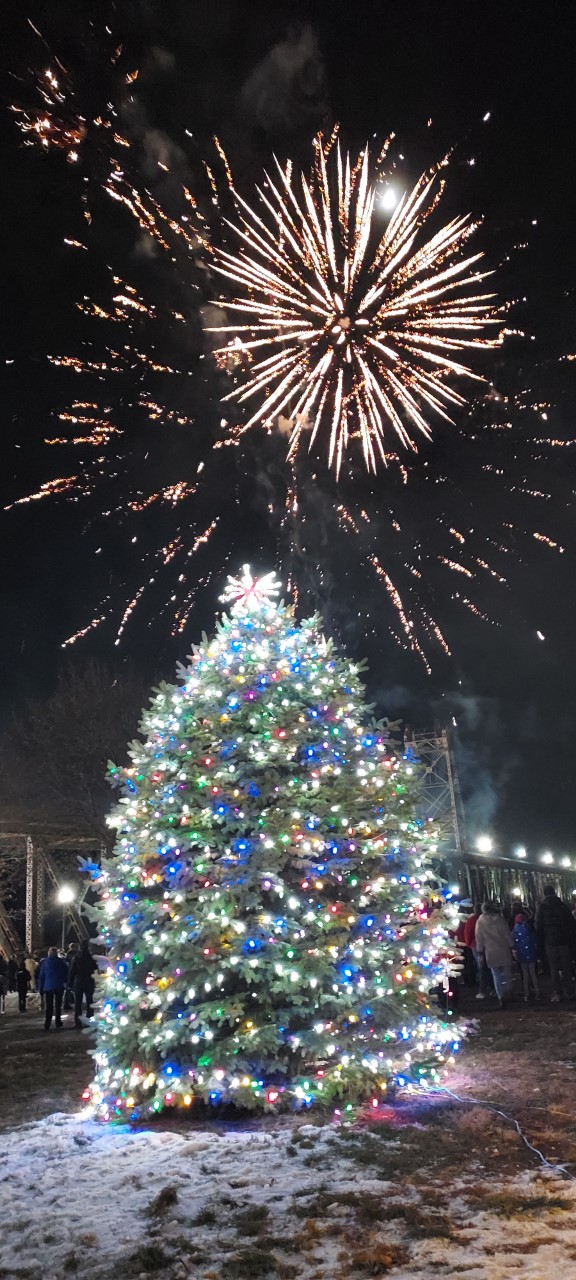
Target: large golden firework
[352,322]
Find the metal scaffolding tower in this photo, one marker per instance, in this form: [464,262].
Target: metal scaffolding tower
[442,800]
[38,852]
[34,896]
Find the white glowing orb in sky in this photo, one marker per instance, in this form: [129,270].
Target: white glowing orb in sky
[389,198]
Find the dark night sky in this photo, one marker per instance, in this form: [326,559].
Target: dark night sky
[375,66]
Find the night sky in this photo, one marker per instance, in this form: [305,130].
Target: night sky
[265,77]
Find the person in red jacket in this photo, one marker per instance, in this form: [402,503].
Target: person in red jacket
[470,941]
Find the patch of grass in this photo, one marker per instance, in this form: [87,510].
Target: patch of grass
[206,1218]
[314,1205]
[422,1225]
[392,1153]
[300,1139]
[538,1242]
[70,1262]
[372,1210]
[289,1244]
[167,1196]
[191,1252]
[376,1258]
[248,1263]
[147,1258]
[21,1273]
[250,1221]
[509,1204]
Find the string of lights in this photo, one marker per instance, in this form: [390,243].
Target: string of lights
[274,922]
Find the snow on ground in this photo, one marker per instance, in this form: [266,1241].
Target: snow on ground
[309,1202]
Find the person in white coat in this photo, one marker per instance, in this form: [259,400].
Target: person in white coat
[494,942]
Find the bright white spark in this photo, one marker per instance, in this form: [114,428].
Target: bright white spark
[248,592]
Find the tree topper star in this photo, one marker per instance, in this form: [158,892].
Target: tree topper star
[248,592]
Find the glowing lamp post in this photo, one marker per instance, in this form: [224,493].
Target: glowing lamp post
[484,844]
[66,895]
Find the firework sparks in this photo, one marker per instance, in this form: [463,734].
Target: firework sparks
[353,329]
[54,120]
[351,324]
[52,488]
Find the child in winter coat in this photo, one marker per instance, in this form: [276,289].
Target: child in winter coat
[526,951]
[22,985]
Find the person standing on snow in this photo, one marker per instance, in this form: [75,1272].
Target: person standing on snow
[38,970]
[494,944]
[479,961]
[3,982]
[526,950]
[12,969]
[81,980]
[22,985]
[555,928]
[70,957]
[52,981]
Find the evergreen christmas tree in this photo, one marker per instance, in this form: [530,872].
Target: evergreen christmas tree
[269,905]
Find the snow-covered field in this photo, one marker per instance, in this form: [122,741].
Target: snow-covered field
[312,1202]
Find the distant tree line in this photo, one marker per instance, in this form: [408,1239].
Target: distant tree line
[53,759]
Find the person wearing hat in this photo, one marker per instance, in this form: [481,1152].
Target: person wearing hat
[526,952]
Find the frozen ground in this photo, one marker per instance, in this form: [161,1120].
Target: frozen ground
[424,1191]
[81,1200]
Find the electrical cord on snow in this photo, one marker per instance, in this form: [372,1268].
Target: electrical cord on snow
[488,1106]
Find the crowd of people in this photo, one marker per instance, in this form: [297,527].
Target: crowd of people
[496,943]
[64,982]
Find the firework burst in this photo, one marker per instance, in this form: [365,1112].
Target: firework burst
[351,324]
[350,327]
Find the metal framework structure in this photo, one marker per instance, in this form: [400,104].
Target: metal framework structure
[442,799]
[41,865]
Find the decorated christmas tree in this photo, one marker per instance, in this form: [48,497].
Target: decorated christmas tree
[270,906]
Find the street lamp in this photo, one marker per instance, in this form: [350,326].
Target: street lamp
[484,844]
[66,895]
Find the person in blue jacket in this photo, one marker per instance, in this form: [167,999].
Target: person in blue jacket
[526,951]
[52,982]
